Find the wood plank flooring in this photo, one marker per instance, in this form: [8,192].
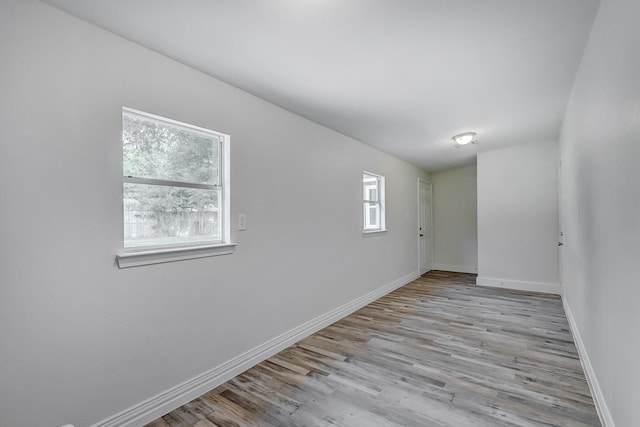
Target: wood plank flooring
[437,352]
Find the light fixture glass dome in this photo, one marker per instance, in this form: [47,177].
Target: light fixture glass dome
[464,138]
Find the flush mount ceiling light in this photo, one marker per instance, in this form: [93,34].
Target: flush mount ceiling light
[464,138]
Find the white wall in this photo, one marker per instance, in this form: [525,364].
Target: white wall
[82,339]
[455,220]
[518,218]
[600,151]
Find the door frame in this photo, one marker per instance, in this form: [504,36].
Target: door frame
[561,209]
[422,181]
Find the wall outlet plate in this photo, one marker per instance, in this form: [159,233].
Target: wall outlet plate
[242,222]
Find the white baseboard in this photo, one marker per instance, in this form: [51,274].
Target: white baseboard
[549,288]
[456,268]
[594,386]
[150,409]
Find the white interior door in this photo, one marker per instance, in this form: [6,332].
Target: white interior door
[424,226]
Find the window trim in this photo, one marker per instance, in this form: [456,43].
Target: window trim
[380,187]
[147,256]
[143,255]
[155,181]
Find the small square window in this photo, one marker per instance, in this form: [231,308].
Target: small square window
[373,202]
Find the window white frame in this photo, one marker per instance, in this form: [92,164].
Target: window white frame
[154,254]
[373,203]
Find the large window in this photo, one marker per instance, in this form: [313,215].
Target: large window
[373,202]
[174,189]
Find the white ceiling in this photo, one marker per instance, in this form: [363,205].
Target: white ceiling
[400,75]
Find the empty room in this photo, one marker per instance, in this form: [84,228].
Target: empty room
[319,213]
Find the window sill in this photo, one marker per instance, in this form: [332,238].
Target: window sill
[158,256]
[373,232]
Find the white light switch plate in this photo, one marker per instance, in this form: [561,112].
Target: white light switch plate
[242,222]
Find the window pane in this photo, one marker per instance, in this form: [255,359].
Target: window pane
[370,192]
[161,215]
[371,216]
[152,149]
[370,187]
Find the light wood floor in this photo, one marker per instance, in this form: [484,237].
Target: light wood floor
[437,352]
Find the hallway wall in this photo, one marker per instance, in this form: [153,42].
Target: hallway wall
[83,340]
[600,151]
[518,218]
[455,220]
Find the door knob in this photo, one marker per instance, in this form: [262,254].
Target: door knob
[422,235]
[560,244]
